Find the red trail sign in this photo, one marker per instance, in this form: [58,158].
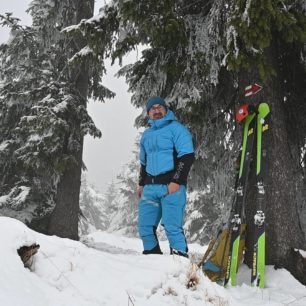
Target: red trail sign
[252,89]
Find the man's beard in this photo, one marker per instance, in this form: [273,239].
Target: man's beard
[158,116]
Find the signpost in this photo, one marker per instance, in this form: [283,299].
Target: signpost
[252,90]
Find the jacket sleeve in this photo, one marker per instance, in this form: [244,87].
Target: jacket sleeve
[182,168]
[185,155]
[142,175]
[182,140]
[142,172]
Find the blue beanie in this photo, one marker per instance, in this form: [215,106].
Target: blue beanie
[155,100]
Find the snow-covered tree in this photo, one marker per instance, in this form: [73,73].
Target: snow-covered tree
[43,95]
[124,219]
[112,199]
[200,56]
[93,208]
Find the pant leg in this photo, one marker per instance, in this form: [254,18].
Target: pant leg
[173,211]
[149,215]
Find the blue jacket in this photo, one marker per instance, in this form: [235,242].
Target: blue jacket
[161,142]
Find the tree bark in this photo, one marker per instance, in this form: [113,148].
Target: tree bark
[65,216]
[284,182]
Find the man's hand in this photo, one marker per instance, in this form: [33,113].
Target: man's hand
[173,187]
[139,191]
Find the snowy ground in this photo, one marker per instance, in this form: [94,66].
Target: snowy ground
[113,272]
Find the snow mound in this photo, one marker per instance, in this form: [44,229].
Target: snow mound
[112,271]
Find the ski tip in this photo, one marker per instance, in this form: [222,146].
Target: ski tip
[263,109]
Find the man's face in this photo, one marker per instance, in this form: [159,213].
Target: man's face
[157,111]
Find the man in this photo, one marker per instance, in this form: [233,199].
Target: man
[166,155]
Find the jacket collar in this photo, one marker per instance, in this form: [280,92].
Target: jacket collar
[159,123]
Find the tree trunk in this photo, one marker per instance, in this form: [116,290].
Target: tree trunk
[65,216]
[284,182]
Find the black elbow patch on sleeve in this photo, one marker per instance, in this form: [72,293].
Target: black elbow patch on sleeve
[182,169]
[142,175]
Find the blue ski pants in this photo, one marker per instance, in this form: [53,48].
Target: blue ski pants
[156,205]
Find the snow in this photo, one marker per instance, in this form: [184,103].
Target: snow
[245,15]
[4,145]
[302,154]
[96,18]
[34,138]
[302,252]
[28,118]
[86,50]
[3,200]
[21,191]
[231,37]
[82,53]
[71,28]
[60,107]
[205,40]
[112,271]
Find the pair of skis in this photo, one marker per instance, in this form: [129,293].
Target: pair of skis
[254,121]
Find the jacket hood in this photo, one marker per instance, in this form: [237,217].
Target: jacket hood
[168,118]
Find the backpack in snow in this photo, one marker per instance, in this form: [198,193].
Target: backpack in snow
[214,261]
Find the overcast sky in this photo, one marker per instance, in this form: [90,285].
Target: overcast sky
[105,157]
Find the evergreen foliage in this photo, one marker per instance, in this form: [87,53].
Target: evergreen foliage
[123,201]
[43,111]
[112,200]
[254,25]
[195,52]
[93,207]
[182,62]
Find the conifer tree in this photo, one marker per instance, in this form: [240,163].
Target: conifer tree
[200,55]
[93,208]
[111,200]
[124,218]
[44,91]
